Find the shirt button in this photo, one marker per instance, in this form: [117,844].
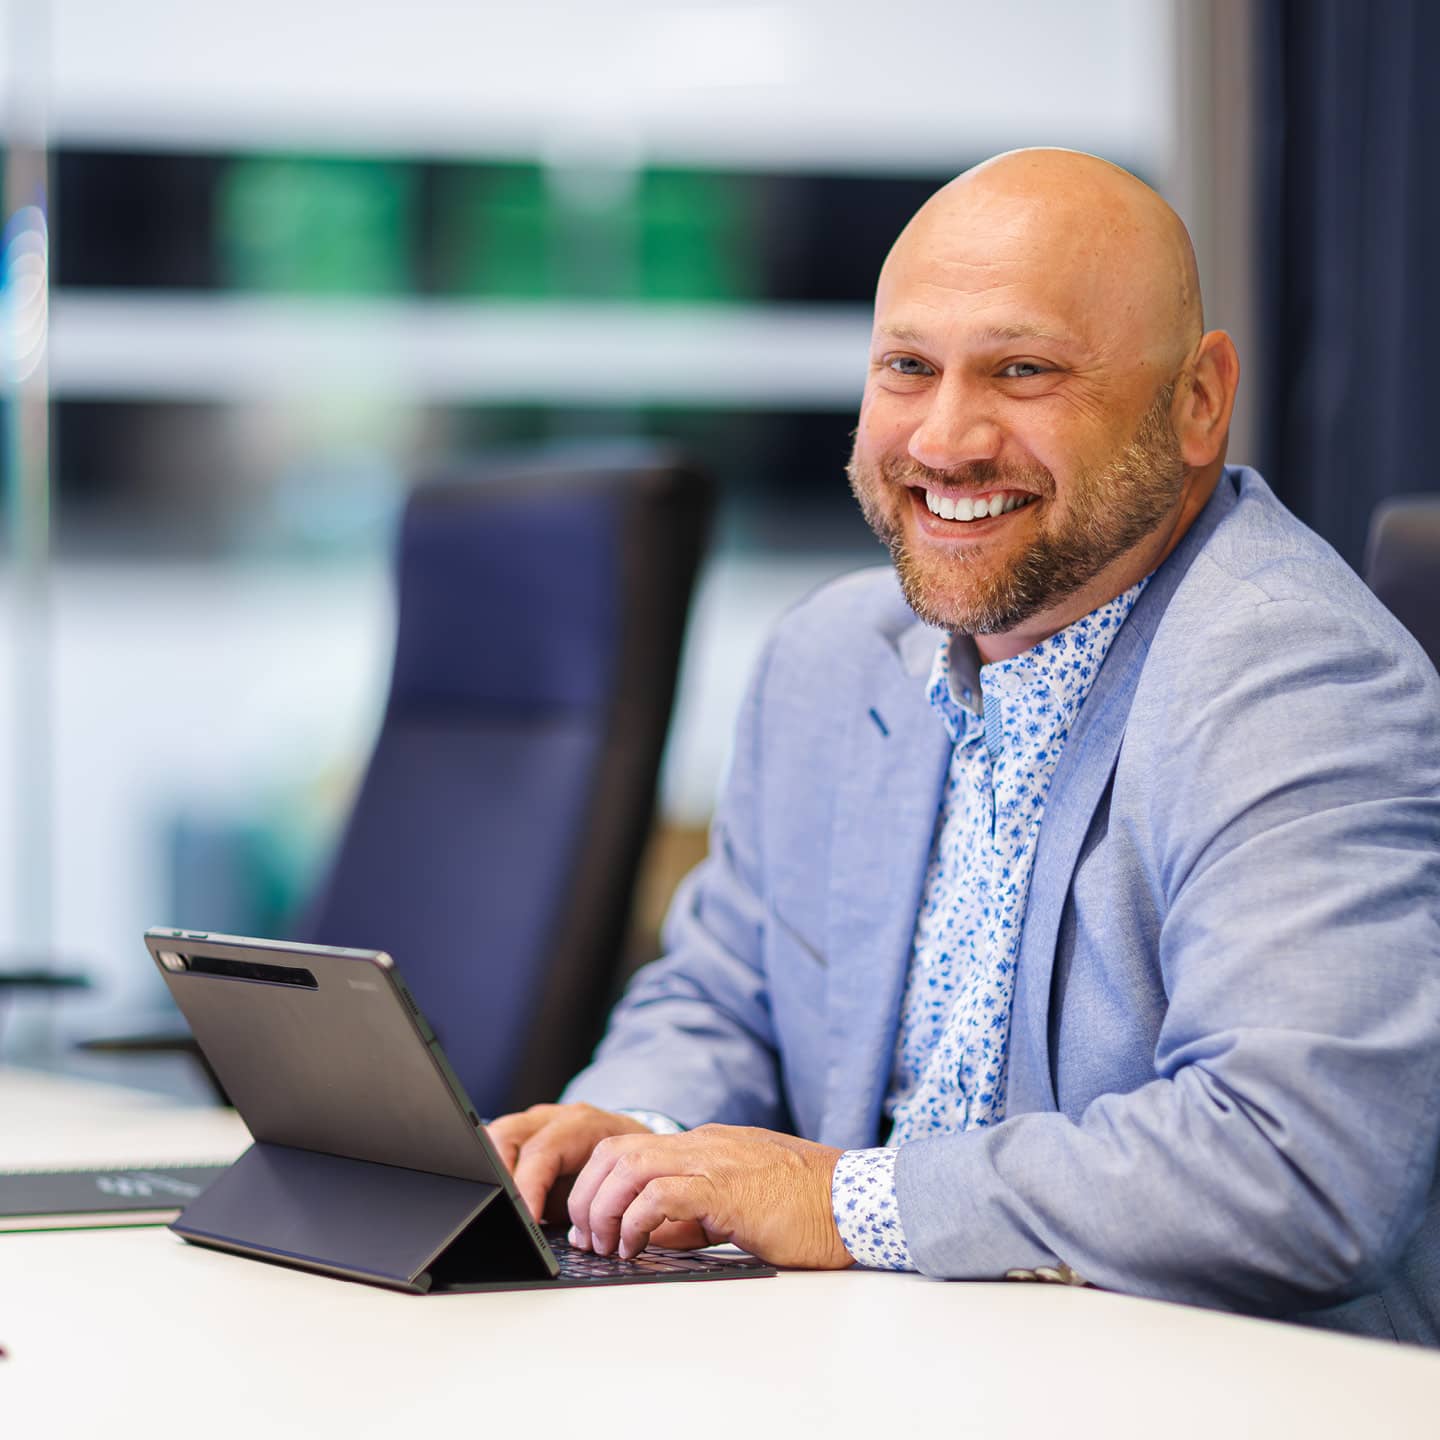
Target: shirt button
[967,693]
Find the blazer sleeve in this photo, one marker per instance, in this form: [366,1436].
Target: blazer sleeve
[1281,1155]
[692,1036]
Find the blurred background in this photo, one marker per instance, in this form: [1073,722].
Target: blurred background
[268,263]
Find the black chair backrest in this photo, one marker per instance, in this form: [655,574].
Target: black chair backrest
[495,840]
[1402,565]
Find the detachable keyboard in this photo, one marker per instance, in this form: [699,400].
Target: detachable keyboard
[582,1267]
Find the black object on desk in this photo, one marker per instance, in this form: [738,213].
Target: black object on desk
[93,1199]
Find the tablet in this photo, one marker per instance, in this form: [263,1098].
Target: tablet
[369,1160]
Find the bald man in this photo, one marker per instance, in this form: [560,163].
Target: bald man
[1071,908]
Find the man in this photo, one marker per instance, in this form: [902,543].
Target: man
[1107,891]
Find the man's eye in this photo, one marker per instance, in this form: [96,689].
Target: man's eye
[908,365]
[1022,370]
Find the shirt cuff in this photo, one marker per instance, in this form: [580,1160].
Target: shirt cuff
[654,1120]
[862,1194]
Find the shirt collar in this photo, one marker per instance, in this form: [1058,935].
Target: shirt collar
[1062,667]
[953,688]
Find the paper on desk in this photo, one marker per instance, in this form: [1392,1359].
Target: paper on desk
[50,1122]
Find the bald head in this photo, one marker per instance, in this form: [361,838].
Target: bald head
[1079,233]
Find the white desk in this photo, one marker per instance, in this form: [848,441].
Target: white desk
[131,1332]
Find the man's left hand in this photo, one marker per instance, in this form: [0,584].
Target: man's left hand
[765,1192]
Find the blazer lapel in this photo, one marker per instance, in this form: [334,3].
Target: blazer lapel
[896,756]
[1081,778]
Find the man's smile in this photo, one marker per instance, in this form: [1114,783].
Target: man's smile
[950,516]
[970,508]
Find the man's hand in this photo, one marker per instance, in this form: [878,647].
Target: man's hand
[547,1143]
[766,1192]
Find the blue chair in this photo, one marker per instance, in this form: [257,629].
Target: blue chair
[496,836]
[1402,565]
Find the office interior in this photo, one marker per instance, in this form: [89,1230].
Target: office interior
[295,258]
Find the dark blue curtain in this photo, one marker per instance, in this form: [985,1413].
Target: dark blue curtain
[1350,255]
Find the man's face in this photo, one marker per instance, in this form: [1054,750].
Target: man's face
[1014,440]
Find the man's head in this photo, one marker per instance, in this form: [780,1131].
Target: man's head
[1039,347]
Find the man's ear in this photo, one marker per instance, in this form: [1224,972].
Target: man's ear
[1205,399]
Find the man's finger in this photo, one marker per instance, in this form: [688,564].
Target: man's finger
[603,1159]
[509,1133]
[540,1163]
[679,1235]
[672,1200]
[632,1171]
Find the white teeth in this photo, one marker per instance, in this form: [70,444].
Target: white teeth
[965,509]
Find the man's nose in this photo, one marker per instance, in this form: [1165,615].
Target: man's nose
[956,430]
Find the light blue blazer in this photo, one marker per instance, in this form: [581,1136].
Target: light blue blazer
[1224,1075]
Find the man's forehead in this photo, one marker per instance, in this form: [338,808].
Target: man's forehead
[1015,293]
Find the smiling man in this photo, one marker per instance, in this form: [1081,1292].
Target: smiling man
[1072,909]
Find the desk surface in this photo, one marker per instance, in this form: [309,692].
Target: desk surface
[105,1328]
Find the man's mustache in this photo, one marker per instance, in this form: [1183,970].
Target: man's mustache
[978,475]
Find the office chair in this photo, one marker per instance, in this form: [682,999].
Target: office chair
[1402,565]
[497,833]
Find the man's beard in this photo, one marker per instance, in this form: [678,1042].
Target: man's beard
[1110,510]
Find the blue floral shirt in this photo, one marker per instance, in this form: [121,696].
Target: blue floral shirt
[1008,722]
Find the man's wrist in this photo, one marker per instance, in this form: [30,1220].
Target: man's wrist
[653,1120]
